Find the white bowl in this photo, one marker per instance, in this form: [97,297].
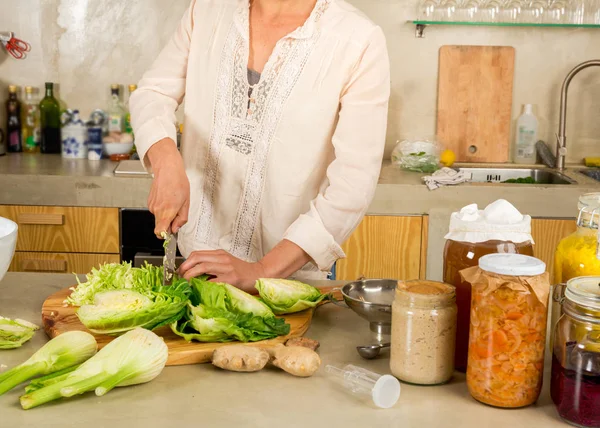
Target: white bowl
[8,242]
[117,148]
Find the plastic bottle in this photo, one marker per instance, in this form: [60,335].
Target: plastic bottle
[383,390]
[527,129]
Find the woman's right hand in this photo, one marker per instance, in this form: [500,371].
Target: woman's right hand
[169,198]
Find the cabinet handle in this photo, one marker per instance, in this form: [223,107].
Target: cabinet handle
[47,219]
[38,265]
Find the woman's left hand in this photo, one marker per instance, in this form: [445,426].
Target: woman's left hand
[224,267]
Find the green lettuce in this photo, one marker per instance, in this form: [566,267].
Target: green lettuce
[118,311]
[285,296]
[116,276]
[222,313]
[14,333]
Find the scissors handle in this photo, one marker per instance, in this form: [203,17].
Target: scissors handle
[19,44]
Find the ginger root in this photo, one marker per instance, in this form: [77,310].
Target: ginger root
[240,358]
[296,360]
[303,341]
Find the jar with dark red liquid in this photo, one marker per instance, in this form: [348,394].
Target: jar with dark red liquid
[473,233]
[575,381]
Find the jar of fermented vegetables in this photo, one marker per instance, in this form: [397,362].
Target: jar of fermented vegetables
[473,233]
[575,384]
[578,254]
[508,329]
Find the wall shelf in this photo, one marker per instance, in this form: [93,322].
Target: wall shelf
[421,24]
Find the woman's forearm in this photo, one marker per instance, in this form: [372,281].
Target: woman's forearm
[283,260]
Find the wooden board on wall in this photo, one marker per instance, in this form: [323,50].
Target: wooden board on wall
[65,229]
[475,89]
[547,233]
[59,262]
[383,247]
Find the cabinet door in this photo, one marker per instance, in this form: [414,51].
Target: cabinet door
[383,247]
[65,229]
[547,233]
[59,262]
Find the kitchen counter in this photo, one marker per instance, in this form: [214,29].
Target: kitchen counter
[27,179]
[201,395]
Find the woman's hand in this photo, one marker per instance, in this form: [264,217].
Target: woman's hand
[169,198]
[224,267]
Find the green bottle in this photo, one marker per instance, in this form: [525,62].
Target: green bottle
[50,122]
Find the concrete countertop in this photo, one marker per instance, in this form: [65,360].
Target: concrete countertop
[27,179]
[201,395]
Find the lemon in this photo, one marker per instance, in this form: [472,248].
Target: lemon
[447,158]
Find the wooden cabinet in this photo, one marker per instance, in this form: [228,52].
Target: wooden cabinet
[63,239]
[65,229]
[547,233]
[25,261]
[384,247]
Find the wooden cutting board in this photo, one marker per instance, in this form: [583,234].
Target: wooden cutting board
[475,101]
[58,319]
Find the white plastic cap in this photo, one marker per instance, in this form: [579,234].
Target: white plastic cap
[512,264]
[528,109]
[386,391]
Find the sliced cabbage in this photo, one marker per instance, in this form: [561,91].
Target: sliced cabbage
[115,276]
[222,313]
[285,296]
[14,333]
[136,357]
[118,311]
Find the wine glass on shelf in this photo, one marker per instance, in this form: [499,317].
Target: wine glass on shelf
[490,11]
[576,11]
[555,12]
[532,11]
[429,10]
[468,11]
[448,10]
[511,11]
[592,12]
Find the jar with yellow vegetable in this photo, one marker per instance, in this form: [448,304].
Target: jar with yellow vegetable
[579,253]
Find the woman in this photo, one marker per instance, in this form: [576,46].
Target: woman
[285,121]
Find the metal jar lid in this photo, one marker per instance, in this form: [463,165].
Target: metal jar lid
[584,291]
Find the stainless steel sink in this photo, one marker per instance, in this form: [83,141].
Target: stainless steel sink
[592,173]
[498,175]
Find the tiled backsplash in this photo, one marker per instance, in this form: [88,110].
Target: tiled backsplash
[86,45]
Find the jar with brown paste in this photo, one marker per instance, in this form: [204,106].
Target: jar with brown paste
[423,332]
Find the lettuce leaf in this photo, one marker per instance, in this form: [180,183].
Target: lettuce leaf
[222,313]
[285,296]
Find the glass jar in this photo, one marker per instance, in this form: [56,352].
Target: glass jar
[423,332]
[485,236]
[508,329]
[462,255]
[577,254]
[575,381]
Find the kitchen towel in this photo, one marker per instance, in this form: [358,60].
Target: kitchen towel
[446,177]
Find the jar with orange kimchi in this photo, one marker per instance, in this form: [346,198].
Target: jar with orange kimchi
[508,329]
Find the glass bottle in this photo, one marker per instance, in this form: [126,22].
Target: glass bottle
[471,236]
[575,379]
[507,338]
[116,111]
[13,121]
[50,122]
[423,332]
[30,124]
[128,127]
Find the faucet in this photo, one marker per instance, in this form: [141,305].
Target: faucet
[561,137]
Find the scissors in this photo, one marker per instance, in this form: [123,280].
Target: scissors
[16,47]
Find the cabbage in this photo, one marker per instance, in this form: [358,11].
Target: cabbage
[285,296]
[67,350]
[117,311]
[222,313]
[115,276]
[136,357]
[14,333]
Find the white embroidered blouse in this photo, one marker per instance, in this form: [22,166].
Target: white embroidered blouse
[300,158]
